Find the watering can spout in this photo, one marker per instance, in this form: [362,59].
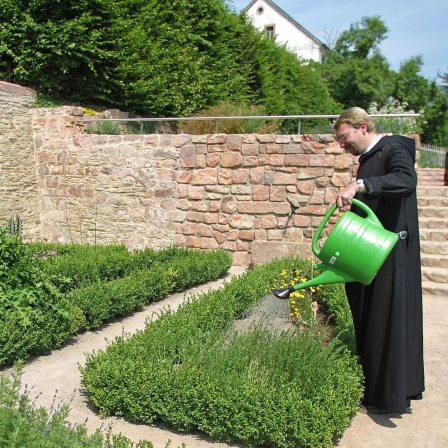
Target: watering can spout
[329,275]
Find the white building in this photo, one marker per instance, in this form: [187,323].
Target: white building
[273,21]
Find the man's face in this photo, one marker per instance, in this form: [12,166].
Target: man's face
[351,139]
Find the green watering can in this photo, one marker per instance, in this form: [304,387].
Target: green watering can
[354,251]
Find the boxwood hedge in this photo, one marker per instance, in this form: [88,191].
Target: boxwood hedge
[261,387]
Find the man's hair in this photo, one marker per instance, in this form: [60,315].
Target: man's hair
[355,116]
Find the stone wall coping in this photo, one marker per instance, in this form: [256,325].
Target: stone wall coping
[15,88]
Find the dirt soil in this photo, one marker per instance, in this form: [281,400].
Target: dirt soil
[55,378]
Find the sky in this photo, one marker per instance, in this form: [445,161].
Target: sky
[416,27]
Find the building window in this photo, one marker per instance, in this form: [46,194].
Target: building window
[260,10]
[269,31]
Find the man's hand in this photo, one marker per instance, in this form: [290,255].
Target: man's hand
[345,196]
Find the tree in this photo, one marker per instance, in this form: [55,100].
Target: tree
[179,57]
[355,70]
[63,48]
[285,85]
[410,86]
[153,57]
[435,129]
[444,79]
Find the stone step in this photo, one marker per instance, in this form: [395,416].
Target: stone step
[436,174]
[435,275]
[433,212]
[435,289]
[430,172]
[432,201]
[433,248]
[434,235]
[434,260]
[430,181]
[433,223]
[432,191]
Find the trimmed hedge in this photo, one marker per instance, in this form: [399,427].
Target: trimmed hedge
[150,277]
[334,300]
[192,371]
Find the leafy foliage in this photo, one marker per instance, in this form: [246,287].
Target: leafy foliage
[335,303]
[14,225]
[411,87]
[180,58]
[284,85]
[154,58]
[435,130]
[22,424]
[67,49]
[26,291]
[230,126]
[359,75]
[100,284]
[356,72]
[192,370]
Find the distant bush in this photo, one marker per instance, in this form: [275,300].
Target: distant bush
[74,266]
[231,126]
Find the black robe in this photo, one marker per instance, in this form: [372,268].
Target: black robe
[387,314]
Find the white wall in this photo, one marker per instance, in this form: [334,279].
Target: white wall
[286,32]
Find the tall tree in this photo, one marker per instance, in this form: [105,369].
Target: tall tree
[410,86]
[285,85]
[63,47]
[153,57]
[355,70]
[444,79]
[180,57]
[435,129]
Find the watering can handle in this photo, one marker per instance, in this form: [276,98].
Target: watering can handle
[370,216]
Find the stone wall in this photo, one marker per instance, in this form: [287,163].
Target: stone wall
[258,196]
[116,189]
[18,176]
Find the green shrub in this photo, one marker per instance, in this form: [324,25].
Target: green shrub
[104,128]
[104,301]
[100,284]
[48,331]
[195,267]
[26,291]
[22,425]
[336,305]
[76,266]
[190,370]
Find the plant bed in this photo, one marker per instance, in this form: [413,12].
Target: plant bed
[51,292]
[261,387]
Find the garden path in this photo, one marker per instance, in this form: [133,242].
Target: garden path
[56,379]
